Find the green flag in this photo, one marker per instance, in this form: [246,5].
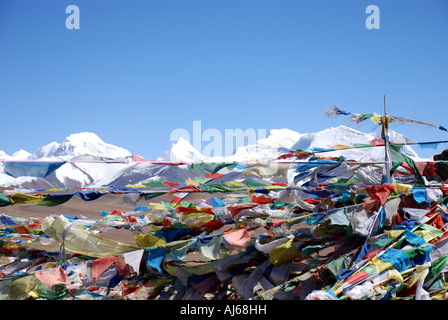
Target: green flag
[398,158]
[437,266]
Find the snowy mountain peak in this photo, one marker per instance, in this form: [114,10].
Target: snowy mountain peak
[283,138]
[21,154]
[18,155]
[331,136]
[344,135]
[88,174]
[181,151]
[84,143]
[83,137]
[265,148]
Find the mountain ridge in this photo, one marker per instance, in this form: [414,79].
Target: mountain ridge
[91,174]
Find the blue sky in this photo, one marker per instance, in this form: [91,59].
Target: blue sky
[137,70]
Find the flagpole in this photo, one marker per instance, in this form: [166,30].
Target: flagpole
[385,136]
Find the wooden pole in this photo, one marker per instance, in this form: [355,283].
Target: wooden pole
[385,133]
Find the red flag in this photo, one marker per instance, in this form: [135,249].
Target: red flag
[262,199]
[213,175]
[380,193]
[172,184]
[361,275]
[283,184]
[176,200]
[99,266]
[311,201]
[235,209]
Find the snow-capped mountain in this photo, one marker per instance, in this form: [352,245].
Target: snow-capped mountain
[7,180]
[81,174]
[181,151]
[342,135]
[78,174]
[86,148]
[331,136]
[264,149]
[84,143]
[18,155]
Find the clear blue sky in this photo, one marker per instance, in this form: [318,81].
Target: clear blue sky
[136,70]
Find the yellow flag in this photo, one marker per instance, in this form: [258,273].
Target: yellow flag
[274,188]
[156,206]
[393,233]
[269,294]
[439,295]
[22,286]
[148,240]
[395,275]
[135,186]
[236,183]
[420,271]
[197,219]
[284,252]
[25,198]
[191,182]
[78,239]
[376,118]
[402,188]
[425,234]
[249,172]
[380,265]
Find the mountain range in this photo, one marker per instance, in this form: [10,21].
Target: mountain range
[87,145]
